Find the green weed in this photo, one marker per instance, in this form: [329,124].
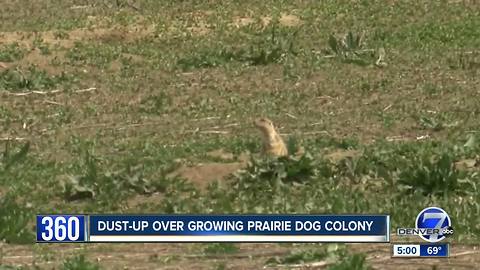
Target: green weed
[430,174]
[155,103]
[11,52]
[7,267]
[99,55]
[208,58]
[79,263]
[42,46]
[269,49]
[31,79]
[350,49]
[14,220]
[274,48]
[220,248]
[60,34]
[270,173]
[9,159]
[106,186]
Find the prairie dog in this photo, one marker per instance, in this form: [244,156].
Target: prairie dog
[273,144]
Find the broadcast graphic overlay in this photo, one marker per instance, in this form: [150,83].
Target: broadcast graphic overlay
[61,228]
[213,228]
[432,225]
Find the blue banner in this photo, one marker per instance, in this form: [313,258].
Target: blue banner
[434,250]
[61,228]
[239,228]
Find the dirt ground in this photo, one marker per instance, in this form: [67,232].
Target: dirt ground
[347,101]
[191,256]
[249,256]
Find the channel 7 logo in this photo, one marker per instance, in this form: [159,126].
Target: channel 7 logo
[432,225]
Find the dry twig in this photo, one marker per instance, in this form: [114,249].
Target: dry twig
[302,265]
[47,92]
[5,139]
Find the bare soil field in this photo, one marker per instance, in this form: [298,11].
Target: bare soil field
[148,107]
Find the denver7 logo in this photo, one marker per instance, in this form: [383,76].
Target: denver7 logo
[434,218]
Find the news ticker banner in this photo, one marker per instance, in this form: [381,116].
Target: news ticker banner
[421,250]
[213,228]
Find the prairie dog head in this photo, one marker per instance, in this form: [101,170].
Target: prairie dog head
[265,125]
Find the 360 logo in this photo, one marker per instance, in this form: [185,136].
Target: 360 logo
[436,221]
